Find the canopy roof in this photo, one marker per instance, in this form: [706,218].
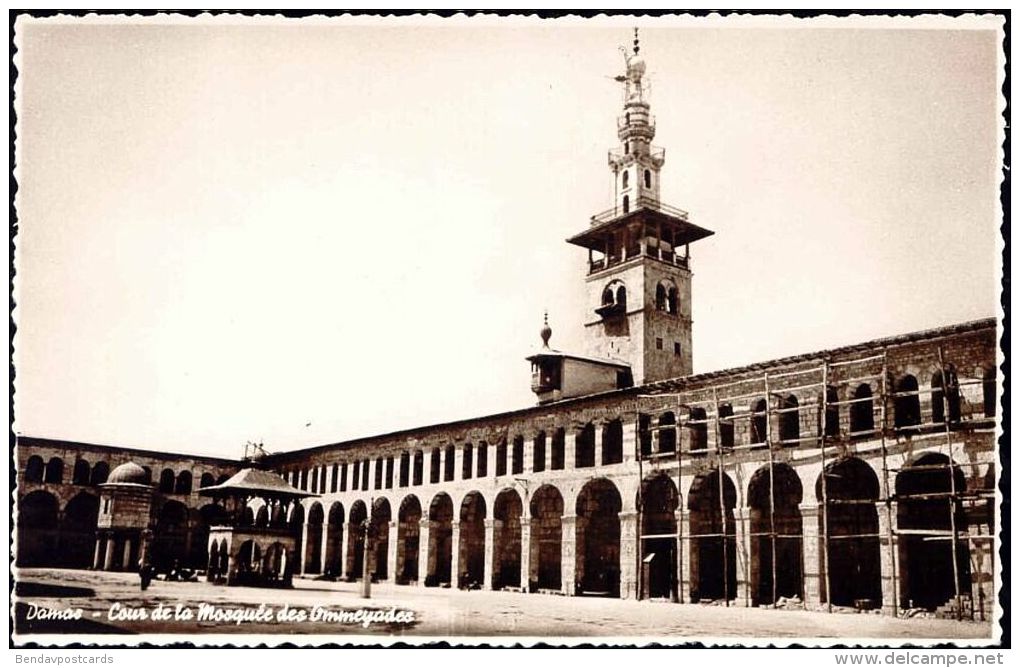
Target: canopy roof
[255,482]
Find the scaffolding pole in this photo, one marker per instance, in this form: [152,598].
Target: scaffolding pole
[946,419]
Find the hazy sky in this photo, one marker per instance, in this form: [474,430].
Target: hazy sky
[230,231]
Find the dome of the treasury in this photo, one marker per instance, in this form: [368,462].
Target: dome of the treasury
[129,473]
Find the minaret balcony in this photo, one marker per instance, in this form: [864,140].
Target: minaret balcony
[619,159]
[662,254]
[640,203]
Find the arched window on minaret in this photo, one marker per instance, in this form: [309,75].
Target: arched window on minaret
[607,296]
[671,301]
[626,179]
[626,148]
[660,297]
[648,178]
[621,297]
[626,203]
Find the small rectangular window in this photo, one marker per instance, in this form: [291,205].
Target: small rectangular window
[658,344]
[676,348]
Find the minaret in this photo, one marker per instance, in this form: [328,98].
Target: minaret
[639,276]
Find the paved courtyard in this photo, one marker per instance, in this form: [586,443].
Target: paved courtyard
[112,603]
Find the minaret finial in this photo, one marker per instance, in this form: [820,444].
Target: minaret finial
[546,332]
[637,42]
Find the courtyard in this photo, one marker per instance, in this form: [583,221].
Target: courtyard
[86,603]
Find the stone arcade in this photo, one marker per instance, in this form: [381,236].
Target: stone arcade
[858,477]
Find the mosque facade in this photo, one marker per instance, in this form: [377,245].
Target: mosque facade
[861,477]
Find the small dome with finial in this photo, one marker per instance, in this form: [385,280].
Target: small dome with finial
[546,332]
[128,473]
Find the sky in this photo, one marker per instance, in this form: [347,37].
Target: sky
[300,232]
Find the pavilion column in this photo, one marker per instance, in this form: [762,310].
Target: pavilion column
[126,563]
[526,554]
[628,555]
[811,544]
[490,553]
[111,545]
[455,555]
[423,551]
[96,559]
[568,554]
[889,556]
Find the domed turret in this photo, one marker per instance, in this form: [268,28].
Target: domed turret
[128,474]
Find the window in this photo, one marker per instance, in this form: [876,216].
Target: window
[183,485]
[483,459]
[355,476]
[333,480]
[676,348]
[449,463]
[626,148]
[501,458]
[698,429]
[625,180]
[789,420]
[517,464]
[364,475]
[648,178]
[389,473]
[831,412]
[343,477]
[434,466]
[759,423]
[658,343]
[621,297]
[862,411]
[81,473]
[671,301]
[990,392]
[538,453]
[660,297]
[419,467]
[645,434]
[626,203]
[584,447]
[907,403]
[725,426]
[940,398]
[404,477]
[612,442]
[34,469]
[559,449]
[166,482]
[667,432]
[55,470]
[468,463]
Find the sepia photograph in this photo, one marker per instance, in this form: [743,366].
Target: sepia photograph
[507,329]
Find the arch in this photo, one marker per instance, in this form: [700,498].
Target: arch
[313,538]
[206,480]
[924,504]
[262,516]
[54,471]
[213,564]
[471,559]
[356,540]
[546,538]
[37,531]
[621,296]
[697,429]
[183,484]
[207,516]
[789,420]
[598,507]
[667,432]
[440,540]
[249,562]
[408,537]
[507,511]
[659,502]
[35,469]
[776,534]
[759,422]
[275,567]
[170,536]
[166,481]
[100,472]
[907,403]
[331,559]
[612,442]
[80,476]
[862,411]
[78,531]
[713,537]
[247,517]
[625,179]
[584,447]
[852,561]
[382,515]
